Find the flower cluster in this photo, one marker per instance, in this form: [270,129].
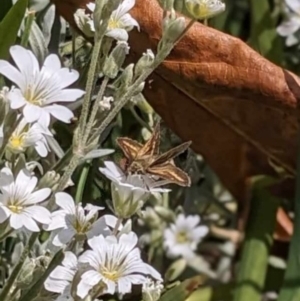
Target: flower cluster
[101,252]
[290,26]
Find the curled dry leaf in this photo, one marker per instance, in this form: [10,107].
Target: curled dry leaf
[238,108]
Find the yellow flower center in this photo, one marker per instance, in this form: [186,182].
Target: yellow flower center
[81,227]
[16,141]
[15,208]
[113,23]
[111,275]
[182,237]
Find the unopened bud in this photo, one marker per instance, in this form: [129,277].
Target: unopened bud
[204,9]
[26,276]
[139,89]
[84,22]
[173,29]
[115,60]
[50,179]
[165,213]
[125,79]
[144,62]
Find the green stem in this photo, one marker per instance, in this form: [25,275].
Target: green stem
[36,288]
[28,23]
[128,95]
[290,290]
[95,109]
[256,249]
[90,85]
[82,181]
[140,120]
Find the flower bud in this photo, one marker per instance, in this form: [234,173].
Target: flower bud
[173,29]
[26,276]
[204,9]
[84,22]
[140,101]
[165,213]
[144,62]
[115,60]
[127,199]
[151,290]
[50,179]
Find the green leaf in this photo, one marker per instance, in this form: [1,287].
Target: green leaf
[258,242]
[291,286]
[9,27]
[217,293]
[264,37]
[183,290]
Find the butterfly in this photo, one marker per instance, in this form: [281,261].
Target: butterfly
[145,159]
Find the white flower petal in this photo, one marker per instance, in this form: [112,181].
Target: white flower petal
[12,73]
[52,64]
[119,34]
[63,237]
[39,196]
[39,213]
[16,99]
[16,222]
[28,222]
[88,280]
[4,214]
[31,112]
[25,60]
[61,113]
[65,201]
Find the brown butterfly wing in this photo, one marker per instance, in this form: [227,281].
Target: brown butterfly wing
[129,147]
[170,154]
[171,173]
[151,147]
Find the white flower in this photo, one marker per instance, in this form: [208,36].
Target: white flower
[204,9]
[18,201]
[151,290]
[27,135]
[129,193]
[182,238]
[60,279]
[105,104]
[113,172]
[120,21]
[39,91]
[291,24]
[74,220]
[115,262]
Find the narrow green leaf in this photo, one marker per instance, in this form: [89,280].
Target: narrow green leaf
[291,285]
[9,27]
[258,242]
[217,293]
